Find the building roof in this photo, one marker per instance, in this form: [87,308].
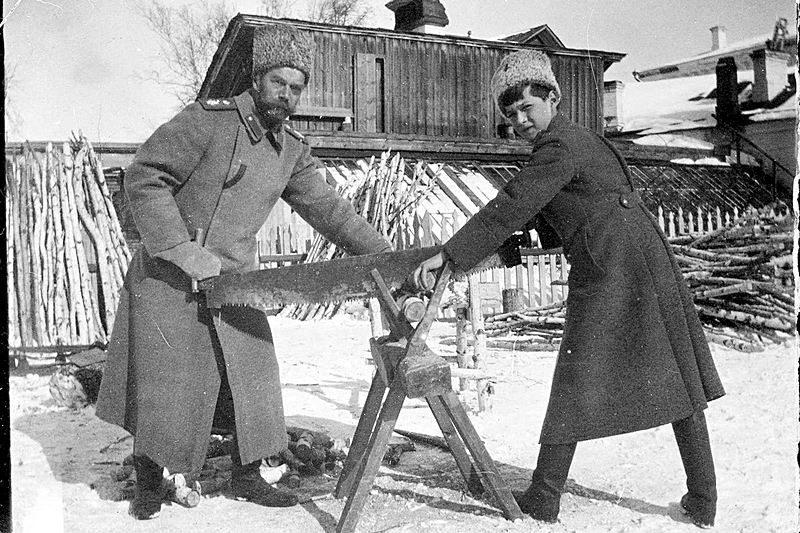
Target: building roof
[538,35]
[706,62]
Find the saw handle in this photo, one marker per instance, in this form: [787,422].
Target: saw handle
[199,238]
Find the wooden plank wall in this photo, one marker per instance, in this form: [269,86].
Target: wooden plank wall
[429,87]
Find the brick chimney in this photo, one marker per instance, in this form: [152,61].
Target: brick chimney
[719,39]
[612,105]
[727,90]
[421,16]
[769,74]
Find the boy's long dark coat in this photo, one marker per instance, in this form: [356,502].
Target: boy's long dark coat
[634,354]
[164,368]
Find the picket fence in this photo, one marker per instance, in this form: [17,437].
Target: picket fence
[540,280]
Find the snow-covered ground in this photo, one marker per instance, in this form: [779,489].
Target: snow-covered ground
[62,459]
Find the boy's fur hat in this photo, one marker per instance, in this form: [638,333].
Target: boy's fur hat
[282,45]
[524,66]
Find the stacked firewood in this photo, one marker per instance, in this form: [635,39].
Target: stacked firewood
[740,277]
[61,226]
[385,196]
[533,329]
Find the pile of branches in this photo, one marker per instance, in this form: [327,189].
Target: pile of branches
[67,255]
[740,278]
[385,196]
[531,329]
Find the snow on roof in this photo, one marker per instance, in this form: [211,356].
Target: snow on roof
[680,103]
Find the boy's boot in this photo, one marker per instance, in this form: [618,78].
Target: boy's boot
[700,502]
[542,500]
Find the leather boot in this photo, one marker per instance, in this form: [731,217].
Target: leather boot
[147,497]
[247,484]
[542,500]
[700,502]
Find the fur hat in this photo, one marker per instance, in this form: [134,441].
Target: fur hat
[524,66]
[282,45]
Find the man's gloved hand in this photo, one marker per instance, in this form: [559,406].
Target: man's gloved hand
[197,262]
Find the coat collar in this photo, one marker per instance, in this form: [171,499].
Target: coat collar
[557,122]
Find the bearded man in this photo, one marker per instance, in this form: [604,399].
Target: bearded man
[175,367]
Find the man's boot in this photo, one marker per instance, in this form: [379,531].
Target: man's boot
[247,484]
[700,503]
[147,497]
[542,500]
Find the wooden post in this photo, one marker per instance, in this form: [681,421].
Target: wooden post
[545,299]
[461,344]
[661,218]
[476,317]
[532,298]
[681,227]
[513,300]
[699,220]
[671,224]
[375,318]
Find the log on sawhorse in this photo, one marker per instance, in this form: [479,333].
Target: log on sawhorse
[408,368]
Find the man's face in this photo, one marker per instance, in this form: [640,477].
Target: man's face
[531,114]
[279,91]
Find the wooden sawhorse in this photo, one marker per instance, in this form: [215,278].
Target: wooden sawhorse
[408,368]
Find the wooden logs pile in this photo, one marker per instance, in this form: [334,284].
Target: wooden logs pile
[740,277]
[66,252]
[385,196]
[534,329]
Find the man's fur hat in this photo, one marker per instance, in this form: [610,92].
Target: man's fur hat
[524,66]
[282,45]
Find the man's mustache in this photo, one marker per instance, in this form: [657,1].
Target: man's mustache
[278,106]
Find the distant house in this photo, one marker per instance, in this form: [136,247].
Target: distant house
[737,100]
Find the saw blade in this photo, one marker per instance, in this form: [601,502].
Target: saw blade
[336,280]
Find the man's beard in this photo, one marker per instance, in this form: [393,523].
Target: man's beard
[273,113]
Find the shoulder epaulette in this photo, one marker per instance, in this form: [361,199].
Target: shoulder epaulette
[296,134]
[217,104]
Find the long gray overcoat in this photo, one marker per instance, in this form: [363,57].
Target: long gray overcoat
[633,355]
[168,355]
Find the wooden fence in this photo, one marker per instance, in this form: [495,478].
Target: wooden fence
[541,279]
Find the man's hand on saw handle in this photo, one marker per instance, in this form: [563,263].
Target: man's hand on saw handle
[197,262]
[424,276]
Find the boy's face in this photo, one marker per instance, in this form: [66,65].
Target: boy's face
[531,114]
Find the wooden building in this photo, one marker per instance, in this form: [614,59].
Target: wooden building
[377,89]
